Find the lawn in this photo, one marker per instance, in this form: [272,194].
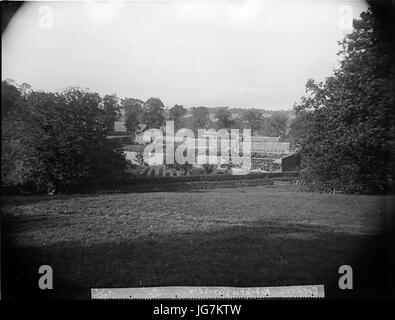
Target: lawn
[243,236]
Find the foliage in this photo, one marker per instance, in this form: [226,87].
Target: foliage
[133,113]
[265,163]
[176,113]
[111,108]
[201,118]
[254,120]
[277,124]
[274,126]
[224,117]
[349,138]
[11,97]
[209,168]
[153,115]
[58,141]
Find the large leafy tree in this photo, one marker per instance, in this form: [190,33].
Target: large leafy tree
[224,116]
[253,119]
[176,114]
[297,130]
[277,124]
[349,137]
[200,116]
[11,97]
[111,107]
[133,113]
[58,141]
[153,113]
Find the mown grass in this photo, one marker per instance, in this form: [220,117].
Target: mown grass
[246,236]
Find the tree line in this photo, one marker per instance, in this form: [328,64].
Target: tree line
[152,113]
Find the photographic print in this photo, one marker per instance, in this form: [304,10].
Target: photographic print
[197,150]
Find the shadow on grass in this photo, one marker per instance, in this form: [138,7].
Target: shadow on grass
[260,255]
[194,186]
[190,187]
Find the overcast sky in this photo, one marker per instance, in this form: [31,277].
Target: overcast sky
[238,54]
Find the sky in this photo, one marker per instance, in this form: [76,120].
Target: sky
[248,54]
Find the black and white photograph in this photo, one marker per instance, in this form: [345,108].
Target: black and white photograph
[174,150]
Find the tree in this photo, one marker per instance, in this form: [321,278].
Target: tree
[11,97]
[200,118]
[111,109]
[254,120]
[238,123]
[133,113]
[153,113]
[176,113]
[224,117]
[349,138]
[297,129]
[25,89]
[58,141]
[277,124]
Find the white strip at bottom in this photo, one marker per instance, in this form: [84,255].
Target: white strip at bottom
[307,291]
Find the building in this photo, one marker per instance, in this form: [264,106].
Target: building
[119,126]
[264,139]
[291,162]
[269,145]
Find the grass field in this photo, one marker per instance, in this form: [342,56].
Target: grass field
[246,236]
